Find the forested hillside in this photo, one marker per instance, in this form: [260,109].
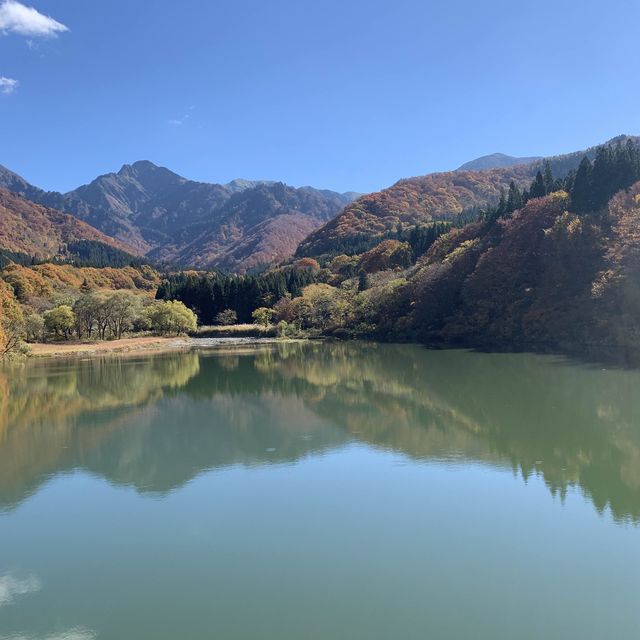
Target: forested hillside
[41,232]
[553,266]
[561,271]
[456,196]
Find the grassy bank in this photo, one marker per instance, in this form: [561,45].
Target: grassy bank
[236,331]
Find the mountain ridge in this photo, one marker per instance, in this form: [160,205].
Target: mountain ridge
[496,161]
[155,211]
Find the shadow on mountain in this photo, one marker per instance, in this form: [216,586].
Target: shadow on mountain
[156,422]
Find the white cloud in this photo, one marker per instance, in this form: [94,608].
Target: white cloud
[15,17]
[8,85]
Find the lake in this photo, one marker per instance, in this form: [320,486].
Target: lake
[319,491]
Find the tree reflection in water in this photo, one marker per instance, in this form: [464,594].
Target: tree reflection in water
[155,422]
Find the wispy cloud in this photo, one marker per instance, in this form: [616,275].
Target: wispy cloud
[16,17]
[176,122]
[8,85]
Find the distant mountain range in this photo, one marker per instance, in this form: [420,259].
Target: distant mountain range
[152,211]
[247,225]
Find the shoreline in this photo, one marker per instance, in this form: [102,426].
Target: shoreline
[98,347]
[140,344]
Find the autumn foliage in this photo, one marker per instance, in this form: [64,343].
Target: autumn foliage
[545,277]
[11,319]
[437,196]
[44,280]
[42,232]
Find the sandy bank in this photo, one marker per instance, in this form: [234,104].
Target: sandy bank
[125,345]
[146,343]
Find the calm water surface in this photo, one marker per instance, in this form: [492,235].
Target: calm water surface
[317,491]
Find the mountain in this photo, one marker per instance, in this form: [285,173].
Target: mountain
[253,228]
[437,196]
[42,232]
[424,199]
[239,225]
[496,161]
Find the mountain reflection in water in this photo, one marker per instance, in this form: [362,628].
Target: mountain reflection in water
[156,422]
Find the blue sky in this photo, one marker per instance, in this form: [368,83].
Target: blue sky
[337,94]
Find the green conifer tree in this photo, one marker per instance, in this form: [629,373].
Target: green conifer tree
[538,188]
[548,177]
[582,191]
[363,280]
[514,199]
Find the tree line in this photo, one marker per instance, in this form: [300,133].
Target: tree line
[79,253]
[92,253]
[210,294]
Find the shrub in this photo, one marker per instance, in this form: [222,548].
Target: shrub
[263,315]
[171,317]
[227,317]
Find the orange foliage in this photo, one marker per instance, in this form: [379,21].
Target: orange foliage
[9,312]
[308,263]
[45,279]
[437,196]
[389,254]
[38,231]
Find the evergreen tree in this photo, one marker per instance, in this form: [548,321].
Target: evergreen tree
[548,177]
[538,187]
[582,190]
[363,280]
[604,181]
[514,199]
[502,204]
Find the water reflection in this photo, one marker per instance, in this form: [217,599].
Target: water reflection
[77,633]
[156,422]
[11,587]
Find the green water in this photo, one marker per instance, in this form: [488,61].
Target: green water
[319,491]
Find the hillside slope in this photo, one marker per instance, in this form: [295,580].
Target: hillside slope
[420,200]
[546,276]
[38,231]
